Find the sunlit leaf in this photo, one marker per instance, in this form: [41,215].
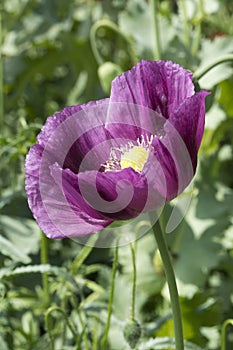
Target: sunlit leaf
[210,51]
[23,234]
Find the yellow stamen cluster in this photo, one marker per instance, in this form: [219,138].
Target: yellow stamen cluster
[135,158]
[130,155]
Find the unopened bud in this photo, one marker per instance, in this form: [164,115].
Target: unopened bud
[132,333]
[107,72]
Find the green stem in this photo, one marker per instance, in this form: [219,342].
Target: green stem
[106,23]
[84,253]
[107,327]
[44,261]
[170,276]
[134,277]
[84,333]
[95,334]
[224,328]
[186,23]
[49,326]
[201,72]
[156,46]
[197,38]
[1,73]
[197,34]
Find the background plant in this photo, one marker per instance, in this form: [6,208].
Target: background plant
[57,53]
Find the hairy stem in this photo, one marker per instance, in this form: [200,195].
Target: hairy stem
[106,23]
[156,46]
[112,288]
[1,73]
[49,326]
[44,261]
[132,247]
[186,22]
[197,34]
[224,328]
[201,72]
[170,276]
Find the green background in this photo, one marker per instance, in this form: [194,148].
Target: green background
[54,54]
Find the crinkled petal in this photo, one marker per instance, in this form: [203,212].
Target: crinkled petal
[175,160]
[53,122]
[70,134]
[189,121]
[159,85]
[68,192]
[32,168]
[55,217]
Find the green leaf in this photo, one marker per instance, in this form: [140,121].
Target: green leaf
[86,250]
[78,88]
[137,12]
[214,117]
[46,268]
[8,197]
[22,234]
[5,273]
[90,284]
[198,256]
[225,96]
[4,345]
[224,133]
[165,343]
[209,52]
[42,343]
[9,249]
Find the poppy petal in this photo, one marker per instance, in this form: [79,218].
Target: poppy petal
[160,85]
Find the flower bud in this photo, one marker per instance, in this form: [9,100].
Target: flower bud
[107,72]
[132,333]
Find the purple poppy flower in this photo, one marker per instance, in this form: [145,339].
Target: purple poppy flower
[117,158]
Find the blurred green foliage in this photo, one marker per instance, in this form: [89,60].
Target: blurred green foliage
[52,54]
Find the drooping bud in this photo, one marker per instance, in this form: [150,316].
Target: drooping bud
[132,333]
[107,72]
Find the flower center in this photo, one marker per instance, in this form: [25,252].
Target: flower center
[130,156]
[135,158]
